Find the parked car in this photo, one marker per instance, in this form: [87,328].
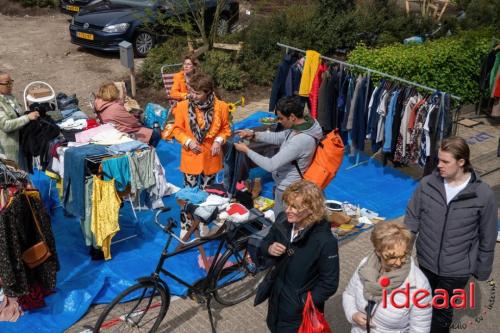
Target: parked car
[103,24]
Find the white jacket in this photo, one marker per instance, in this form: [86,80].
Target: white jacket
[390,319]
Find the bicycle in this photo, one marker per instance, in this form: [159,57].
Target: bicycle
[231,278]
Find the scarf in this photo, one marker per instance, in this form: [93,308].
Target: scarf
[370,274]
[208,111]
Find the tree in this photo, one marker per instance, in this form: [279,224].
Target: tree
[203,19]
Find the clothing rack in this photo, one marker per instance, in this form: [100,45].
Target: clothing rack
[370,71]
[479,105]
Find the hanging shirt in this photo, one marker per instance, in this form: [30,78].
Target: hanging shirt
[105,209]
[451,191]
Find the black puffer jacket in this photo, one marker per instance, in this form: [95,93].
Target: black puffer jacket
[314,266]
[455,239]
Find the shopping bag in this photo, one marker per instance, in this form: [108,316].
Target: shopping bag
[313,321]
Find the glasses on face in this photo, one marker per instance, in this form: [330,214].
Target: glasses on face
[8,83]
[392,258]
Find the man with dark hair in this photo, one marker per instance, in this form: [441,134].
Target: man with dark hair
[454,216]
[297,144]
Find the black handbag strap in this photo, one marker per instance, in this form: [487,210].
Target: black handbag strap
[35,218]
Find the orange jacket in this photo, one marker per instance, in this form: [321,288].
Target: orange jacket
[195,164]
[179,89]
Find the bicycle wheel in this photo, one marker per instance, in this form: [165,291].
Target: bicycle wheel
[139,308]
[236,277]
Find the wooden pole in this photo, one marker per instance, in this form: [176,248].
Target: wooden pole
[132,81]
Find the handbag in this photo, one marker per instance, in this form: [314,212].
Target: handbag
[265,287]
[313,321]
[38,253]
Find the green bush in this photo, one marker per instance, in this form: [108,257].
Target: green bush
[449,64]
[224,68]
[480,13]
[170,52]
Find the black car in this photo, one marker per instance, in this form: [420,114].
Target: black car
[102,25]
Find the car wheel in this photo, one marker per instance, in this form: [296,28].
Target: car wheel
[143,43]
[222,26]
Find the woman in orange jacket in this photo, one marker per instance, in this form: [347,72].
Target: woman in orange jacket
[201,127]
[179,89]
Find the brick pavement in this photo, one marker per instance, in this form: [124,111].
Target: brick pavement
[186,316]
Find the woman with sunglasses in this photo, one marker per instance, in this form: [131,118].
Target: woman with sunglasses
[306,256]
[388,267]
[11,119]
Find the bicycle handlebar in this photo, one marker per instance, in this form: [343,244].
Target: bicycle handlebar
[171,223]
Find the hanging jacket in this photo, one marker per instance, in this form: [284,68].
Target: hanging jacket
[294,77]
[314,94]
[314,266]
[279,84]
[310,68]
[34,139]
[11,121]
[18,233]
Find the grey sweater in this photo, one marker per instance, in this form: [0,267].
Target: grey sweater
[294,146]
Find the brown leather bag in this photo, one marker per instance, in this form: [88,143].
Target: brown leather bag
[38,253]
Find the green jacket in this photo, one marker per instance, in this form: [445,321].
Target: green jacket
[10,124]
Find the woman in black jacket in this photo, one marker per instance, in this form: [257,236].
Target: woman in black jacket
[302,234]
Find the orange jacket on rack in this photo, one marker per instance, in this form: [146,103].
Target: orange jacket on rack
[179,89]
[195,164]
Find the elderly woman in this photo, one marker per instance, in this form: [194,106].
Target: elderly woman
[301,236]
[179,90]
[11,119]
[109,109]
[390,263]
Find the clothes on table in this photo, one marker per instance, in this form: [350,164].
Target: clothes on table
[105,208]
[127,146]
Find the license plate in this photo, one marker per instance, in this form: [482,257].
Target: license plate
[84,35]
[73,8]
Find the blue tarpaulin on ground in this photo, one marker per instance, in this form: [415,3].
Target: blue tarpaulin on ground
[82,282]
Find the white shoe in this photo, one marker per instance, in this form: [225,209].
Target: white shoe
[498,237]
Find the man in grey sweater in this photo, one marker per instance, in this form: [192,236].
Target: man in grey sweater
[454,216]
[297,143]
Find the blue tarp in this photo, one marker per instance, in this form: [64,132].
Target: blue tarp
[82,282]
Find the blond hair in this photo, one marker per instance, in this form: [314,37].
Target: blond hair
[304,195]
[108,92]
[387,234]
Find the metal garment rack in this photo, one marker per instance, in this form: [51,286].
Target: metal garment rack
[479,105]
[369,71]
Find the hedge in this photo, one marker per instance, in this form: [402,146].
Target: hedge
[449,64]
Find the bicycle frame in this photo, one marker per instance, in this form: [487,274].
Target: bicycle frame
[203,290]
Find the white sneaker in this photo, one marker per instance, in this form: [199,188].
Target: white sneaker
[498,237]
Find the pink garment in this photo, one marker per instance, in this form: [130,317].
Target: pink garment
[114,112]
[10,309]
[85,136]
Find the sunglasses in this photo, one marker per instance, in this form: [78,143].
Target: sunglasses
[8,83]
